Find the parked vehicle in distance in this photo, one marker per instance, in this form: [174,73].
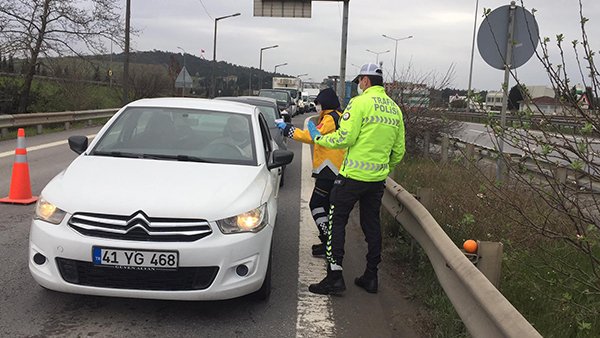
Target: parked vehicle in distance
[268,107]
[284,100]
[175,198]
[293,85]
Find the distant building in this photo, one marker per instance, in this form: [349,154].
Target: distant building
[493,100]
[546,105]
[412,95]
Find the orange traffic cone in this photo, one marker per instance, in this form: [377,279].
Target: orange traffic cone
[20,186]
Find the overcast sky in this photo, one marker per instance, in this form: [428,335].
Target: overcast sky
[442,33]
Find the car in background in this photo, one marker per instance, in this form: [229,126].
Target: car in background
[284,100]
[175,198]
[270,111]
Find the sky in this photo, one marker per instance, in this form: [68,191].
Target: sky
[442,33]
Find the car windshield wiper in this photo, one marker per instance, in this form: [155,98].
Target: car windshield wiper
[183,158]
[116,154]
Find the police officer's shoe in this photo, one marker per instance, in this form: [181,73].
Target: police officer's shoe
[368,281]
[318,250]
[332,284]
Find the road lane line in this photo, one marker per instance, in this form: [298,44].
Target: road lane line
[315,313]
[42,146]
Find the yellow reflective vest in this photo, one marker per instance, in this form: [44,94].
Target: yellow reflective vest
[372,130]
[326,161]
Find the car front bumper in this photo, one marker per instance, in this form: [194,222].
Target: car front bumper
[226,252]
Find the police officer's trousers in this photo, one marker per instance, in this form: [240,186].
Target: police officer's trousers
[345,193]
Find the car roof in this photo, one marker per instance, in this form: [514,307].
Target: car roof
[250,99]
[196,103]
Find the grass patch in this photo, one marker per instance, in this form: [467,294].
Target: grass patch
[547,280]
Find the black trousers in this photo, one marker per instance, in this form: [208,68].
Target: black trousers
[345,193]
[319,206]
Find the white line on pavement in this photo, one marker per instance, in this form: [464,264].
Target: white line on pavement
[42,146]
[315,315]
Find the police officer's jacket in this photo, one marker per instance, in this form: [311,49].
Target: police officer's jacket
[372,130]
[326,161]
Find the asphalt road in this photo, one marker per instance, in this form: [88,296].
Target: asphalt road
[28,310]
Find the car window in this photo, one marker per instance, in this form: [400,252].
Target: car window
[269,113]
[281,96]
[180,134]
[266,136]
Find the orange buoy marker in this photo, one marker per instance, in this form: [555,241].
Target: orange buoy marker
[470,246]
[20,186]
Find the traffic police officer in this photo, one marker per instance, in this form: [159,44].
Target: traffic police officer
[372,130]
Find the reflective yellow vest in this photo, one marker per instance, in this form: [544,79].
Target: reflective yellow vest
[372,130]
[326,161]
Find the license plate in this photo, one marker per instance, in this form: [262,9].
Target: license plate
[135,259]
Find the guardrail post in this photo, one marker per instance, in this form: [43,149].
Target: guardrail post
[469,153]
[4,132]
[40,128]
[561,174]
[89,123]
[426,143]
[445,146]
[425,197]
[490,261]
[67,125]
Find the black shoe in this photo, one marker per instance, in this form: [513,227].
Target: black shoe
[318,250]
[369,283]
[332,284]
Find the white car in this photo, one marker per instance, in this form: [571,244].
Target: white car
[175,198]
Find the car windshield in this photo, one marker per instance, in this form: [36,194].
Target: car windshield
[281,96]
[180,135]
[269,113]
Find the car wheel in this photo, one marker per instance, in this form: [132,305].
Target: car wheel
[282,177]
[265,290]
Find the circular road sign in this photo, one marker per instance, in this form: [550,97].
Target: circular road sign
[493,36]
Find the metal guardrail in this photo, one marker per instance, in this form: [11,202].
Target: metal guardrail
[482,308]
[24,120]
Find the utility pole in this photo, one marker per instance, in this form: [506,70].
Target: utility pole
[342,84]
[469,95]
[126,64]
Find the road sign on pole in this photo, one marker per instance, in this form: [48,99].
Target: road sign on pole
[184,79]
[507,39]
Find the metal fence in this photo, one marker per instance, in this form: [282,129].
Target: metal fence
[482,308]
[41,119]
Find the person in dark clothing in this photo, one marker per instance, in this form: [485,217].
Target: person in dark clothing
[326,162]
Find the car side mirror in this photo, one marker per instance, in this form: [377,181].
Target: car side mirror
[78,143]
[280,158]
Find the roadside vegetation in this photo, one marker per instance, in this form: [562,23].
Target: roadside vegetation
[547,280]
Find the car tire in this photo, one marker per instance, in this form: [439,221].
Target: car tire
[264,292]
[282,177]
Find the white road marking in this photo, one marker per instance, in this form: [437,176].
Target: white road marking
[477,131]
[42,146]
[315,314]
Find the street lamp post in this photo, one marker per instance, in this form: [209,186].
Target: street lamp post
[215,50]
[279,65]
[184,71]
[377,53]
[396,52]
[260,64]
[472,52]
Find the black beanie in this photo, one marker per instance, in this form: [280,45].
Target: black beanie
[328,99]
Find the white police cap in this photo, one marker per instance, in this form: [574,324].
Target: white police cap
[369,69]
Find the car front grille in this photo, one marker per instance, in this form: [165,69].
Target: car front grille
[139,227]
[182,279]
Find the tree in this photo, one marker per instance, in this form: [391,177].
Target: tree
[34,28]
[515,95]
[566,160]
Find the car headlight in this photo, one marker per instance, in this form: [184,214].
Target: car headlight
[251,221]
[48,212]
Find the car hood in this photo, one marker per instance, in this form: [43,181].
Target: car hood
[159,188]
